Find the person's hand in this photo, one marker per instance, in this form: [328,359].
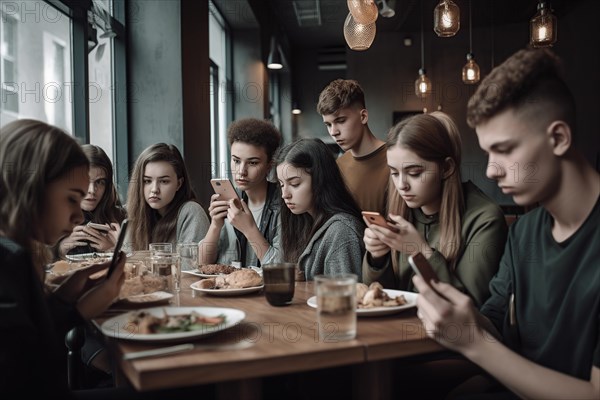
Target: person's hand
[77,238]
[240,216]
[96,300]
[76,284]
[448,315]
[373,245]
[406,239]
[101,240]
[217,210]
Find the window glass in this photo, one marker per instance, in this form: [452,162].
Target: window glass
[36,72]
[101,85]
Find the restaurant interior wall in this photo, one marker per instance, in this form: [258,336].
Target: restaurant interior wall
[388,69]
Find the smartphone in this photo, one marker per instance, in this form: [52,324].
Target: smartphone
[224,187]
[99,227]
[375,218]
[421,266]
[117,250]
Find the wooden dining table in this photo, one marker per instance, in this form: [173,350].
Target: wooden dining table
[282,340]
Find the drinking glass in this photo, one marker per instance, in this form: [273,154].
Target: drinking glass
[160,248]
[336,306]
[188,254]
[279,281]
[167,267]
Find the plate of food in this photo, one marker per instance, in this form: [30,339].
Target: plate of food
[375,301]
[241,281]
[148,298]
[171,323]
[89,257]
[211,270]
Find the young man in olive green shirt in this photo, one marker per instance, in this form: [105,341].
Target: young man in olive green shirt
[545,303]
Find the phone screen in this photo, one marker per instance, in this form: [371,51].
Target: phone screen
[117,250]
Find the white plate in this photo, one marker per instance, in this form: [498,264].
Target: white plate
[148,298]
[411,301]
[197,272]
[119,326]
[89,257]
[226,292]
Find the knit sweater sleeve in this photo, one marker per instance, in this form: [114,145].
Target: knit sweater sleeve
[345,252]
[192,223]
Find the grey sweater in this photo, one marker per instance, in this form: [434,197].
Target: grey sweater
[192,224]
[336,248]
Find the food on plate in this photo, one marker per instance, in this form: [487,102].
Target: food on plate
[216,269]
[241,278]
[142,285]
[147,323]
[375,296]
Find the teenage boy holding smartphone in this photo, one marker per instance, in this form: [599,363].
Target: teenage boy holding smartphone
[246,230]
[545,303]
[364,163]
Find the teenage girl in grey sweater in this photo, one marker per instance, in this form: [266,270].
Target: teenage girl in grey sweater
[321,228]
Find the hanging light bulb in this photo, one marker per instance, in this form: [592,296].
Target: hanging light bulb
[543,27]
[364,11]
[422,84]
[358,36]
[446,18]
[470,72]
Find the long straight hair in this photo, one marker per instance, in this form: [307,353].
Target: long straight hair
[433,137]
[109,208]
[34,154]
[329,192]
[145,224]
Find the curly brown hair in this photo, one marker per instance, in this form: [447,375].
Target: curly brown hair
[531,83]
[338,94]
[257,132]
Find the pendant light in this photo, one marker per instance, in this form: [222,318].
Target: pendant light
[422,84]
[358,36]
[470,72]
[364,11]
[274,61]
[386,11]
[446,18]
[543,27]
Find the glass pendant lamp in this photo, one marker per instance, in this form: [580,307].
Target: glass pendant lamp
[358,36]
[446,18]
[364,11]
[543,27]
[470,72]
[422,84]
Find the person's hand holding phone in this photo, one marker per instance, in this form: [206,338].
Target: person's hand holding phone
[77,238]
[240,216]
[406,239]
[101,237]
[217,210]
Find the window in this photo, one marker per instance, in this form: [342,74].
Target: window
[36,74]
[9,101]
[220,82]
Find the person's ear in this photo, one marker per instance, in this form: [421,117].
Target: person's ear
[179,183]
[449,168]
[364,116]
[560,135]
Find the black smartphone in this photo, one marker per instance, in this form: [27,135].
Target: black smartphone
[117,250]
[421,266]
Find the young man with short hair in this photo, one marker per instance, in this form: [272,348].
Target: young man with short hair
[364,163]
[545,303]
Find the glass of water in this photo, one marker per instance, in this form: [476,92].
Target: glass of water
[167,268]
[336,306]
[188,254]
